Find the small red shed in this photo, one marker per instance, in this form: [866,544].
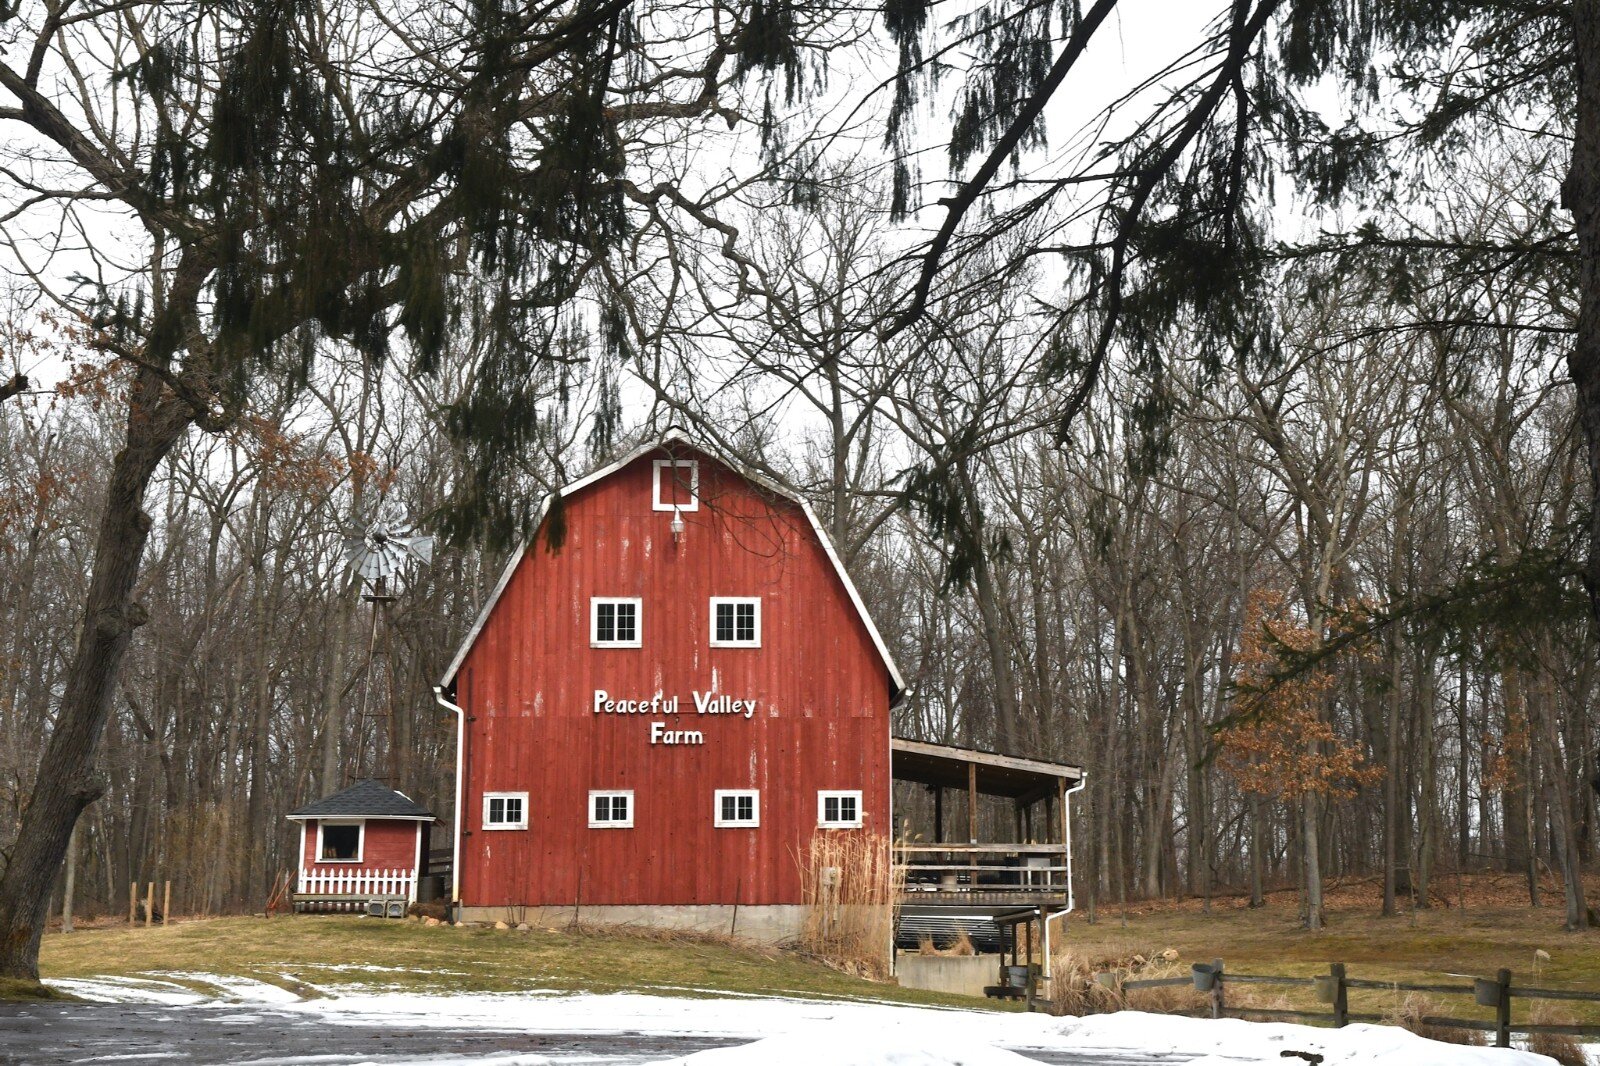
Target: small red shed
[363,843]
[674,687]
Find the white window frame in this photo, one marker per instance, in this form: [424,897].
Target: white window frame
[735,601]
[674,465]
[838,793]
[734,793]
[361,838]
[610,793]
[494,826]
[594,622]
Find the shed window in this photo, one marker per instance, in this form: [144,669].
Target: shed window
[614,623]
[505,810]
[677,485]
[611,810]
[735,622]
[737,807]
[839,810]
[339,841]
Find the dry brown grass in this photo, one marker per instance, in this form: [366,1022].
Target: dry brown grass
[1413,1012]
[851,891]
[1074,989]
[961,945]
[1563,1047]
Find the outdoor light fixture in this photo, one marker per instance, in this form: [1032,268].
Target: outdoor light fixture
[677,525]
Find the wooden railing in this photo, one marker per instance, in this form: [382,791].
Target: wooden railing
[358,883]
[1333,989]
[974,869]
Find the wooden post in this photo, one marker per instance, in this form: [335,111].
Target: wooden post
[972,817]
[1218,1004]
[938,814]
[166,903]
[1502,1011]
[1066,831]
[1341,996]
[150,905]
[133,902]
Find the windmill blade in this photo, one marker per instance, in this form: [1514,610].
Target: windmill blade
[420,548]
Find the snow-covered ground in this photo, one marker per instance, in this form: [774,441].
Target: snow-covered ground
[808,1032]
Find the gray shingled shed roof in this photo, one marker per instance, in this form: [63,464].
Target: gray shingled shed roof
[364,799]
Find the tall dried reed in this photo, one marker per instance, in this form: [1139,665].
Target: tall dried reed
[852,891]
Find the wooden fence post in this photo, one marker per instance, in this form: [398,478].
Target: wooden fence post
[1341,996]
[1218,1003]
[150,905]
[1502,1011]
[166,902]
[133,902]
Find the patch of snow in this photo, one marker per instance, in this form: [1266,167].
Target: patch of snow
[236,989]
[127,990]
[1231,1041]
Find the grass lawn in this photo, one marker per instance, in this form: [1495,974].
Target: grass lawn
[1494,929]
[304,952]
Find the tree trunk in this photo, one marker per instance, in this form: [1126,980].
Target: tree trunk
[1580,194]
[67,781]
[68,890]
[1313,862]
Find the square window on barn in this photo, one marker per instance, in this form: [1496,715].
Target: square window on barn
[339,841]
[735,622]
[676,485]
[614,622]
[505,810]
[736,808]
[611,810]
[839,809]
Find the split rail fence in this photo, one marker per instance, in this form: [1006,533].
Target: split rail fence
[1333,989]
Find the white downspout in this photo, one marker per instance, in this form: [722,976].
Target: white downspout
[1066,818]
[461,747]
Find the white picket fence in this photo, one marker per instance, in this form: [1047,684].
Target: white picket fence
[359,885]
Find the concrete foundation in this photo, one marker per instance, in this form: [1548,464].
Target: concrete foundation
[956,975]
[771,924]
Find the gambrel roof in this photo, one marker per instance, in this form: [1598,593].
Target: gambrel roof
[364,799]
[676,436]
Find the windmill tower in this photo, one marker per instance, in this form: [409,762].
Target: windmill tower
[378,556]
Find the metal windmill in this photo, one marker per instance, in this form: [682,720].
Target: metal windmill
[381,553]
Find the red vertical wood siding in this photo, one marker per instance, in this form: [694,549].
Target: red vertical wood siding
[528,685]
[387,845]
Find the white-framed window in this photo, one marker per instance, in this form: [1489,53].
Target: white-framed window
[611,809]
[615,622]
[676,485]
[505,810]
[839,809]
[736,808]
[340,841]
[735,622]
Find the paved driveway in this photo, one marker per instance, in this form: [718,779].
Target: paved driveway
[55,1034]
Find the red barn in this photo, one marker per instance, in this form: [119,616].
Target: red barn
[673,687]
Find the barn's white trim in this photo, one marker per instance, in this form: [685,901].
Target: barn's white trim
[669,468]
[676,436]
[522,806]
[734,602]
[720,822]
